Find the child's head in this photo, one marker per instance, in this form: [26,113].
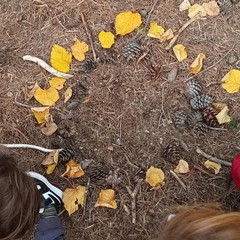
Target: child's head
[19,200]
[202,223]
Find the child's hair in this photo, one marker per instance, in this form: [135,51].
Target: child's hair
[19,200]
[202,223]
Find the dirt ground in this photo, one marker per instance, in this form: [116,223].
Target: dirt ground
[128,111]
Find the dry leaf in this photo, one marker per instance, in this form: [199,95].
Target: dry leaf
[72,198]
[167,35]
[73,170]
[41,114]
[51,168]
[29,94]
[212,165]
[51,161]
[211,8]
[155,176]
[196,66]
[46,96]
[218,106]
[185,5]
[196,9]
[79,49]
[155,31]
[67,94]
[223,116]
[180,52]
[57,82]
[182,167]
[127,22]
[60,58]
[106,39]
[106,199]
[231,81]
[49,128]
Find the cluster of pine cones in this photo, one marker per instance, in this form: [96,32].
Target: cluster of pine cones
[204,115]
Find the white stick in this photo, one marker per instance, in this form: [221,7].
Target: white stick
[42,149]
[44,65]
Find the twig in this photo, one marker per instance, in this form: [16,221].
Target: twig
[179,180]
[85,197]
[89,36]
[133,195]
[20,104]
[174,39]
[149,14]
[216,63]
[47,67]
[214,159]
[129,162]
[203,171]
[217,129]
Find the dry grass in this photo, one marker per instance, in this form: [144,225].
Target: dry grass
[126,103]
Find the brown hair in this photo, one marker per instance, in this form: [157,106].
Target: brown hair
[19,201]
[202,223]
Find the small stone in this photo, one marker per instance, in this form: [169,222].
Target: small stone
[172,74]
[73,105]
[9,94]
[144,13]
[233,58]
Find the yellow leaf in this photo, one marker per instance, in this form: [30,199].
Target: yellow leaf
[196,9]
[155,31]
[57,82]
[155,176]
[197,63]
[231,81]
[60,58]
[182,167]
[73,170]
[106,199]
[49,128]
[29,94]
[184,5]
[180,52]
[72,198]
[167,35]
[211,8]
[223,116]
[79,49]
[127,22]
[46,96]
[50,168]
[41,114]
[212,165]
[106,39]
[67,94]
[51,161]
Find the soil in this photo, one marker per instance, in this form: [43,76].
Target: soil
[121,108]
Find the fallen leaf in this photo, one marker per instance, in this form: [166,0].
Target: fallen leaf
[127,22]
[41,114]
[60,58]
[79,49]
[72,198]
[67,94]
[49,128]
[196,9]
[196,66]
[51,168]
[74,170]
[106,39]
[231,81]
[180,52]
[211,8]
[51,161]
[46,96]
[212,165]
[185,5]
[155,31]
[182,167]
[106,199]
[218,106]
[154,176]
[223,116]
[57,82]
[29,94]
[167,35]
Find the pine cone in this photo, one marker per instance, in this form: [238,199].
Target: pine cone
[194,88]
[199,102]
[67,128]
[131,50]
[179,118]
[200,129]
[209,116]
[89,65]
[193,119]
[172,151]
[98,173]
[65,155]
[226,6]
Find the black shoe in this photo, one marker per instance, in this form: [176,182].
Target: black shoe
[51,195]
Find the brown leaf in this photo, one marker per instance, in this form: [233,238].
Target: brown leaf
[74,170]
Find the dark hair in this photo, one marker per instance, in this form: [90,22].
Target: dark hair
[19,201]
[202,223]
